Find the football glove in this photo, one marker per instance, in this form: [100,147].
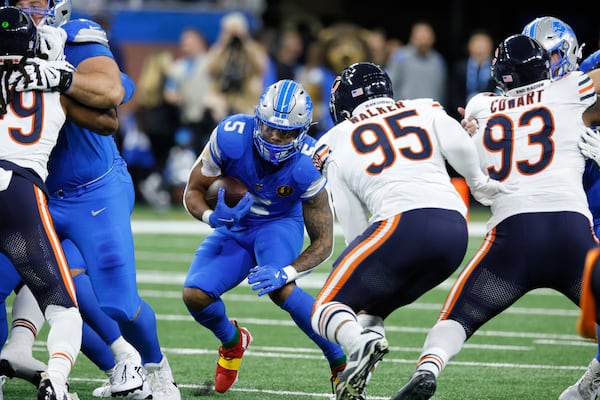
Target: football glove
[51,42]
[48,76]
[485,190]
[224,215]
[591,62]
[470,125]
[590,145]
[266,278]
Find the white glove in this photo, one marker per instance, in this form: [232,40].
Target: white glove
[486,189]
[5,95]
[470,125]
[590,145]
[52,42]
[49,76]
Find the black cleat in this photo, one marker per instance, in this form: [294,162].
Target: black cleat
[421,386]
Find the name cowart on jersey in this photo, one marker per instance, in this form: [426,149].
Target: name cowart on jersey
[531,141]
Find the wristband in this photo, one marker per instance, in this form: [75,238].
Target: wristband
[293,274]
[206,216]
[66,81]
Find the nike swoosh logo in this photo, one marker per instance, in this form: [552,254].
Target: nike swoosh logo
[96,212]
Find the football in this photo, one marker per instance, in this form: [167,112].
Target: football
[234,191]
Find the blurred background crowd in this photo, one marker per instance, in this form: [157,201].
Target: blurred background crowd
[196,61]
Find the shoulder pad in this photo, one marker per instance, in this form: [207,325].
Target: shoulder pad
[305,172]
[85,31]
[232,135]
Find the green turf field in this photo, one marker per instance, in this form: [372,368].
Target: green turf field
[531,351]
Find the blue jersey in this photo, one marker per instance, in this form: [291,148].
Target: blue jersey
[81,156]
[278,191]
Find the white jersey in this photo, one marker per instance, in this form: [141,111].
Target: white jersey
[529,139]
[389,157]
[30,129]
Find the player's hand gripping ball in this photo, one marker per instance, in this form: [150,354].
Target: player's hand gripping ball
[234,191]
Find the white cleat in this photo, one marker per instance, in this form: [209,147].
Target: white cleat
[161,381]
[587,387]
[127,380]
[49,390]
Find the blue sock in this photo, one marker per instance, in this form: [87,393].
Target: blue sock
[3,324]
[92,314]
[214,318]
[598,336]
[96,349]
[142,334]
[299,304]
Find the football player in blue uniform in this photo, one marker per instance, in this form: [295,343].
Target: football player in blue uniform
[33,122]
[261,238]
[560,40]
[92,196]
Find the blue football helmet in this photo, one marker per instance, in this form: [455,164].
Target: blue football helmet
[18,34]
[520,60]
[287,107]
[56,13]
[356,84]
[556,36]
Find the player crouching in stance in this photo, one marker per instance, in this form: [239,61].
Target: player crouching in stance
[261,238]
[385,165]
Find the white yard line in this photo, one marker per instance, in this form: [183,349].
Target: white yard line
[192,227]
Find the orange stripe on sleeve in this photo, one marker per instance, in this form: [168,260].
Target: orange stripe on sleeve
[587,88]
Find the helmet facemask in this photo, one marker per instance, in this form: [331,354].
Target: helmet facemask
[286,107]
[56,13]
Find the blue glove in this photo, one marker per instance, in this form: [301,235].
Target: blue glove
[229,216]
[267,278]
[590,62]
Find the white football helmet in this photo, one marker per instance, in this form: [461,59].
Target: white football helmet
[286,106]
[556,36]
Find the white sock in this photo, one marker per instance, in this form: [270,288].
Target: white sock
[337,323]
[122,350]
[372,322]
[443,342]
[28,320]
[64,341]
